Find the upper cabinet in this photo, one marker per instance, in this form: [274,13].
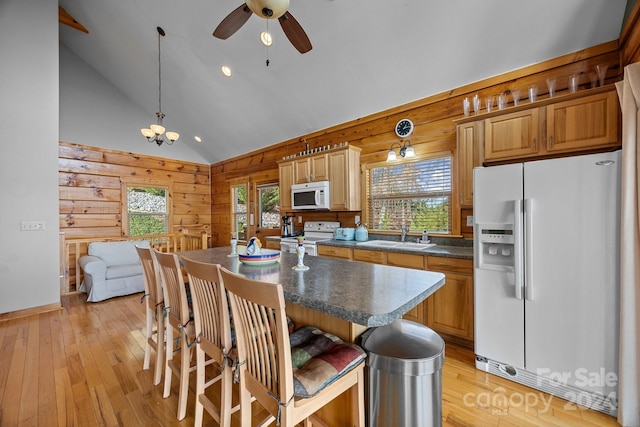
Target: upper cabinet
[469,156]
[310,169]
[344,179]
[513,135]
[565,124]
[584,123]
[285,173]
[340,166]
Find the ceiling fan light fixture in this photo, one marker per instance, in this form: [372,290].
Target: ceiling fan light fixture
[226,70]
[268,9]
[266,39]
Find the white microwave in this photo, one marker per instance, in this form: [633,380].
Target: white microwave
[312,195]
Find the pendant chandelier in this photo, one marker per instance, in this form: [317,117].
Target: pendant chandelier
[156,132]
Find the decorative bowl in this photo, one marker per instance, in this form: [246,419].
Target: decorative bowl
[267,256]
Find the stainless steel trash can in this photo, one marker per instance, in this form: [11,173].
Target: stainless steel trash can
[405,375]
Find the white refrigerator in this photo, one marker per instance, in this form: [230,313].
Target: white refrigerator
[546,275]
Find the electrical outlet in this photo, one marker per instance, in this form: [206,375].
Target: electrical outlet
[357,219]
[299,219]
[32,225]
[470,221]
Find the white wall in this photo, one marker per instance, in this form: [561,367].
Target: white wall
[29,260]
[93,112]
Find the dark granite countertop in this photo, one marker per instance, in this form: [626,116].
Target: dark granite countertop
[444,250]
[359,292]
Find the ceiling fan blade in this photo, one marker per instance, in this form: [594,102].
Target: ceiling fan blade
[233,22]
[294,32]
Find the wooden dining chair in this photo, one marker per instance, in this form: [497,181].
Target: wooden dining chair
[178,319]
[154,300]
[325,367]
[214,341]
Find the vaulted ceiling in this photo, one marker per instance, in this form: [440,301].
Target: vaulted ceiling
[367,56]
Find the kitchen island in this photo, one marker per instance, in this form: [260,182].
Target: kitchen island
[340,297]
[357,292]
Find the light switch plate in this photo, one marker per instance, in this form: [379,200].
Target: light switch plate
[357,219]
[32,226]
[470,221]
[299,219]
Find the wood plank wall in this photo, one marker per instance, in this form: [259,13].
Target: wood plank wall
[90,185]
[434,130]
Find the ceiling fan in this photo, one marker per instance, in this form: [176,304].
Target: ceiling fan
[267,9]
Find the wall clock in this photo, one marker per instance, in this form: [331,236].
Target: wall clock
[404,128]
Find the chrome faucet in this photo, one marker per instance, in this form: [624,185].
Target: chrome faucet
[403,233]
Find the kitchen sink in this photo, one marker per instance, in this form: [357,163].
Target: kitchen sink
[411,246]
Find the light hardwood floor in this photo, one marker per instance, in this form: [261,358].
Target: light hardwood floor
[82,366]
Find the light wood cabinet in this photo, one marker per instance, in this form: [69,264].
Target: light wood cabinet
[335,252]
[285,172]
[450,309]
[376,257]
[340,166]
[470,147]
[311,169]
[584,123]
[344,182]
[514,135]
[567,124]
[417,313]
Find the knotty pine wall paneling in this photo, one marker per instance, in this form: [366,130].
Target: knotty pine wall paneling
[434,131]
[91,181]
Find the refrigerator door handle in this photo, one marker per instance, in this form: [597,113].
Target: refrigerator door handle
[518,247]
[528,239]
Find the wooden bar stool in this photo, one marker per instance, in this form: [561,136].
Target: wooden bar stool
[154,300]
[178,319]
[325,367]
[213,339]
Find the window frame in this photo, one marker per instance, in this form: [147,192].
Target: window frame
[453,193]
[126,183]
[233,184]
[259,188]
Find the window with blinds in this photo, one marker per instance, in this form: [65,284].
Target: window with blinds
[415,195]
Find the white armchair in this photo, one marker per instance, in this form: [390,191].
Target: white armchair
[112,269]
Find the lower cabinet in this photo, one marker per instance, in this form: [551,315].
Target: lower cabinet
[449,310]
[335,252]
[417,313]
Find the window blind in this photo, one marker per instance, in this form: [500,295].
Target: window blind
[415,195]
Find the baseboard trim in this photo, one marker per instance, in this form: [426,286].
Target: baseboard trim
[30,312]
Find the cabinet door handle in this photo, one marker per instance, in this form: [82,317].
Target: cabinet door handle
[534,145]
[550,141]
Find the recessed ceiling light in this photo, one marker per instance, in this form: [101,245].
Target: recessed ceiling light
[197,138]
[226,70]
[266,39]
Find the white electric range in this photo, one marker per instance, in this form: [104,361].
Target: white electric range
[314,231]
